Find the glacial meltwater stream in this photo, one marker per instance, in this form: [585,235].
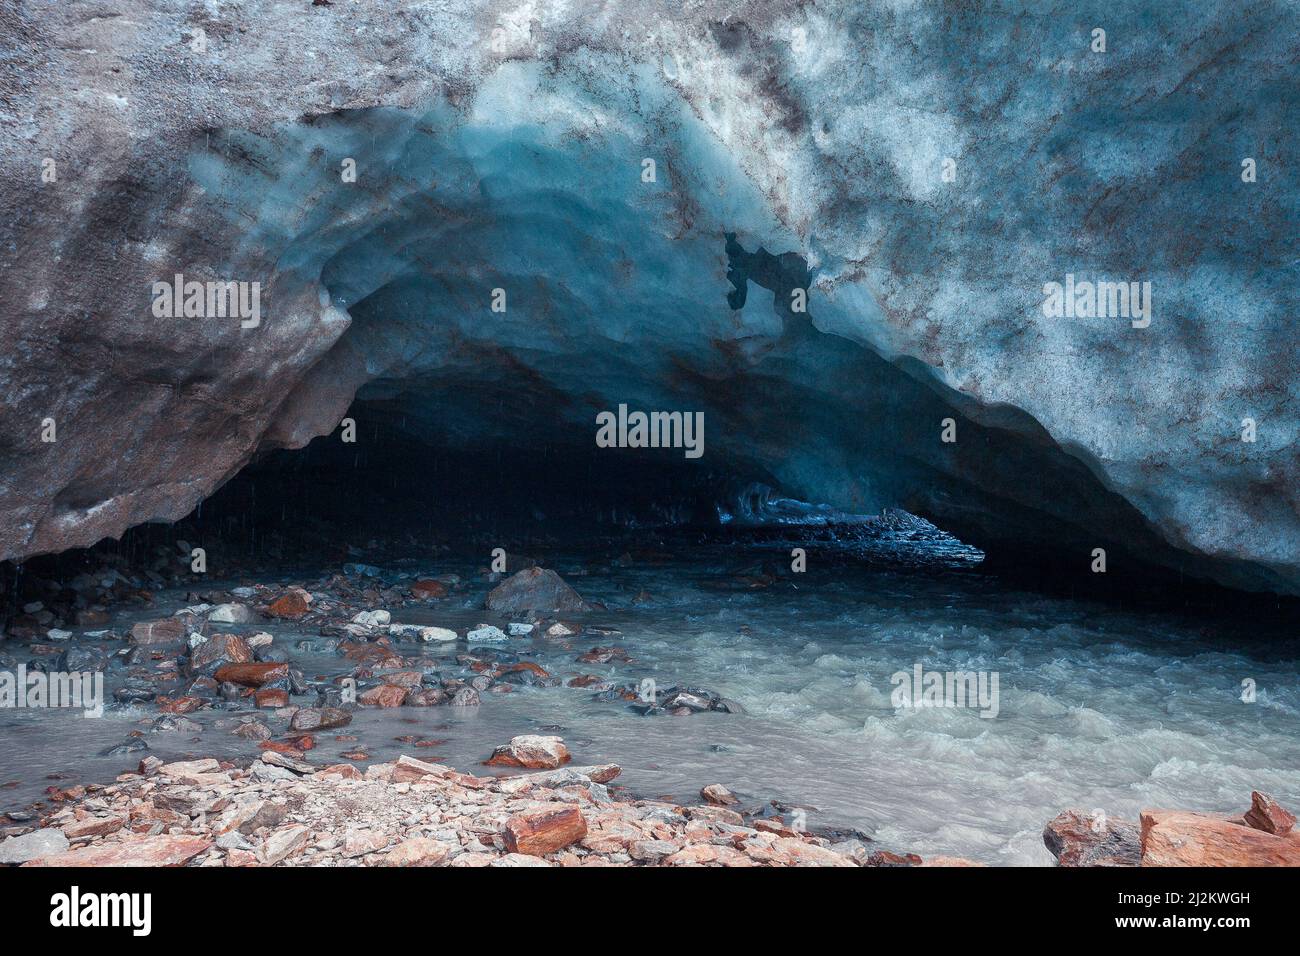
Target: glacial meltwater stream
[1097,707]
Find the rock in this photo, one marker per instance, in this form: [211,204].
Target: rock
[252,675]
[519,629]
[33,846]
[431,634]
[950,861]
[291,606]
[651,851]
[1268,815]
[167,631]
[385,695]
[535,589]
[1182,838]
[543,831]
[417,851]
[426,590]
[93,827]
[161,850]
[271,698]
[277,759]
[362,842]
[486,634]
[373,619]
[319,718]
[230,614]
[426,697]
[1076,838]
[517,860]
[283,844]
[718,795]
[218,651]
[532,751]
[409,769]
[465,697]
[887,858]
[253,730]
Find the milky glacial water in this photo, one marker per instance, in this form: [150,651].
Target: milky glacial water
[1098,707]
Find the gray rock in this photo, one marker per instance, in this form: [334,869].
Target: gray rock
[535,589]
[33,846]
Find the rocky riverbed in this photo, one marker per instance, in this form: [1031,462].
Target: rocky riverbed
[719,669]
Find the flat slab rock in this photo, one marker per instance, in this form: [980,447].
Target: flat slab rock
[1182,838]
[135,851]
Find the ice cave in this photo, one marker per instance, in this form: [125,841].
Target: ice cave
[836,433]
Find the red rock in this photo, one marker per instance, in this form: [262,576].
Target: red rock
[280,747]
[385,695]
[1268,815]
[252,675]
[408,769]
[885,858]
[524,666]
[417,851]
[534,589]
[531,750]
[355,755]
[218,651]
[160,850]
[586,680]
[1081,839]
[179,705]
[167,631]
[408,680]
[291,606]
[539,832]
[1181,838]
[271,697]
[344,770]
[93,827]
[950,861]
[428,590]
[304,742]
[719,796]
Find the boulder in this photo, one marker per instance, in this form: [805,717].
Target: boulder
[252,675]
[291,606]
[542,831]
[1182,838]
[531,750]
[1077,838]
[535,589]
[1268,815]
[218,651]
[319,718]
[33,846]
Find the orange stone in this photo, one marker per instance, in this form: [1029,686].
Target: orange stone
[539,832]
[252,675]
[427,590]
[385,695]
[291,606]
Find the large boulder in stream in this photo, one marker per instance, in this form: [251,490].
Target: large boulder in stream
[535,589]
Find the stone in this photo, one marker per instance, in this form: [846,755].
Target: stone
[291,606]
[530,750]
[1077,838]
[218,651]
[278,759]
[252,675]
[1183,838]
[373,619]
[1268,815]
[718,795]
[437,634]
[385,695]
[427,590]
[135,851]
[465,697]
[271,697]
[362,842]
[230,614]
[486,634]
[167,631]
[416,851]
[409,769]
[319,718]
[426,697]
[535,589]
[93,827]
[33,846]
[282,844]
[543,831]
